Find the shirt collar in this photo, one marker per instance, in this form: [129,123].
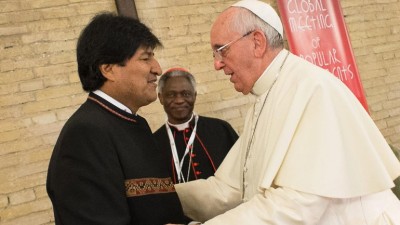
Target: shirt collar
[266,79]
[181,126]
[112,101]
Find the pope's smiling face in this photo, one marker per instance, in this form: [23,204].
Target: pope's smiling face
[237,59]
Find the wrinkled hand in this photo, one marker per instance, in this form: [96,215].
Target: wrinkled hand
[191,223]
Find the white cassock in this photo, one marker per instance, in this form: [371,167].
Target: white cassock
[316,157]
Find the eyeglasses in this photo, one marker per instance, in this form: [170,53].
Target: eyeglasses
[218,53]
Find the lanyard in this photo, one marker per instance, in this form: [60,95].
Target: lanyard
[178,163]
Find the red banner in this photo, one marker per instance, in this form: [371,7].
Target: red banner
[316,31]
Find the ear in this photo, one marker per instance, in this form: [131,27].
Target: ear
[108,71]
[260,43]
[160,98]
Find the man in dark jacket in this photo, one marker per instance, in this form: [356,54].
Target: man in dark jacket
[105,167]
[195,145]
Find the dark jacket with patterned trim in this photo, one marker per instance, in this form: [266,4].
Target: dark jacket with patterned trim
[106,169]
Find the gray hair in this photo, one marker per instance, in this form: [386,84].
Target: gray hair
[177,72]
[245,21]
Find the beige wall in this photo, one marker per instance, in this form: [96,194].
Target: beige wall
[40,89]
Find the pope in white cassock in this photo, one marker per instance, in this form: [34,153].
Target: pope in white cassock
[309,152]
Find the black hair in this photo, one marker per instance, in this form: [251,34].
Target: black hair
[109,39]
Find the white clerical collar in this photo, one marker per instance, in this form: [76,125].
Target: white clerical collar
[112,100]
[267,78]
[181,126]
